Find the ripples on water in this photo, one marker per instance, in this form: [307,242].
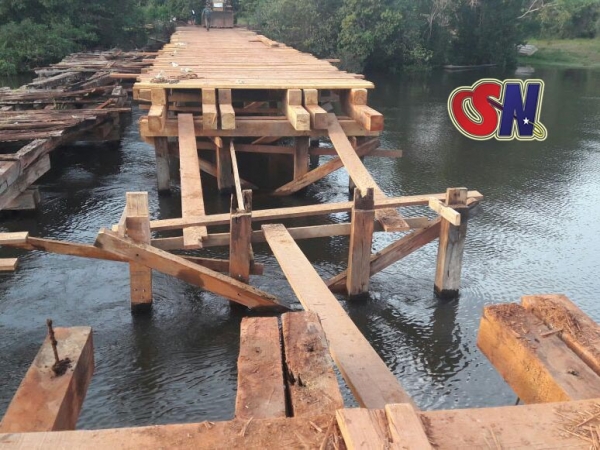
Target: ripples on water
[535,232]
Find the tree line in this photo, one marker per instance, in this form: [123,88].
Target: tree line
[377,34]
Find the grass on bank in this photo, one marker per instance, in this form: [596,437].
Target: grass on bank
[565,52]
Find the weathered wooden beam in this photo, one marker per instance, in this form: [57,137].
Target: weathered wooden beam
[226,111]
[189,272]
[361,239]
[209,109]
[367,376]
[22,180]
[312,385]
[319,119]
[392,253]
[294,111]
[354,102]
[46,401]
[446,212]
[225,180]
[28,200]
[163,172]
[406,427]
[157,117]
[236,177]
[192,200]
[137,228]
[571,324]
[364,429]
[261,388]
[536,364]
[451,244]
[222,265]
[240,240]
[302,145]
[211,169]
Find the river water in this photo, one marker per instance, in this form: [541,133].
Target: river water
[536,232]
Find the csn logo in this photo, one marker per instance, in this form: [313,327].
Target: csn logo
[503,110]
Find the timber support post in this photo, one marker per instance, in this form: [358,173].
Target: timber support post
[137,225]
[163,174]
[224,168]
[361,238]
[240,246]
[301,156]
[451,246]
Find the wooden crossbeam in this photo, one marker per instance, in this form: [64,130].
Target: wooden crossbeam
[390,219]
[260,389]
[294,111]
[535,363]
[45,401]
[189,272]
[301,211]
[226,111]
[366,374]
[319,119]
[192,201]
[446,212]
[391,254]
[354,103]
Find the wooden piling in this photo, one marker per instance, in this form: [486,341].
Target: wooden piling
[361,239]
[137,224]
[225,180]
[163,173]
[46,401]
[451,246]
[240,246]
[301,157]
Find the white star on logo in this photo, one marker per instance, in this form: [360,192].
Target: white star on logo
[526,121]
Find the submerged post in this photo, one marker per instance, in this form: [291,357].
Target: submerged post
[361,238]
[240,247]
[451,246]
[137,223]
[161,149]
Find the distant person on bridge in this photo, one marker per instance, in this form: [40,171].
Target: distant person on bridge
[206,16]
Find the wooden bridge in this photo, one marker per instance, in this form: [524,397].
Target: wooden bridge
[217,101]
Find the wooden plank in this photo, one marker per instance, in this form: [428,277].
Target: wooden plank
[226,111]
[361,240]
[222,265]
[366,374]
[390,219]
[178,267]
[573,326]
[299,211]
[192,201]
[261,389]
[451,244]
[364,429]
[406,428]
[137,228]
[452,216]
[45,401]
[312,384]
[392,253]
[302,144]
[538,366]
[240,239]
[209,109]
[68,248]
[19,237]
[238,433]
[322,171]
[8,264]
[294,111]
[318,116]
[236,177]
[354,103]
[163,172]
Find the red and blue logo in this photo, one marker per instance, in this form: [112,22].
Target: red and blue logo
[503,110]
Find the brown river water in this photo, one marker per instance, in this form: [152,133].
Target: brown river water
[536,232]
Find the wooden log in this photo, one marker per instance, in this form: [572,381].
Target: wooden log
[364,429]
[319,119]
[301,156]
[261,389]
[226,111]
[137,228]
[406,428]
[192,201]
[392,253]
[539,369]
[49,402]
[225,180]
[240,244]
[322,171]
[572,325]
[366,374]
[163,172]
[189,272]
[361,239]
[8,264]
[451,245]
[294,111]
[312,384]
[390,219]
[209,109]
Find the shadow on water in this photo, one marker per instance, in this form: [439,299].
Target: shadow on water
[535,232]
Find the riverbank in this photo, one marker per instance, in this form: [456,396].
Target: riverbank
[580,53]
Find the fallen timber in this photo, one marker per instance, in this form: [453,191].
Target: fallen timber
[313,415]
[74,100]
